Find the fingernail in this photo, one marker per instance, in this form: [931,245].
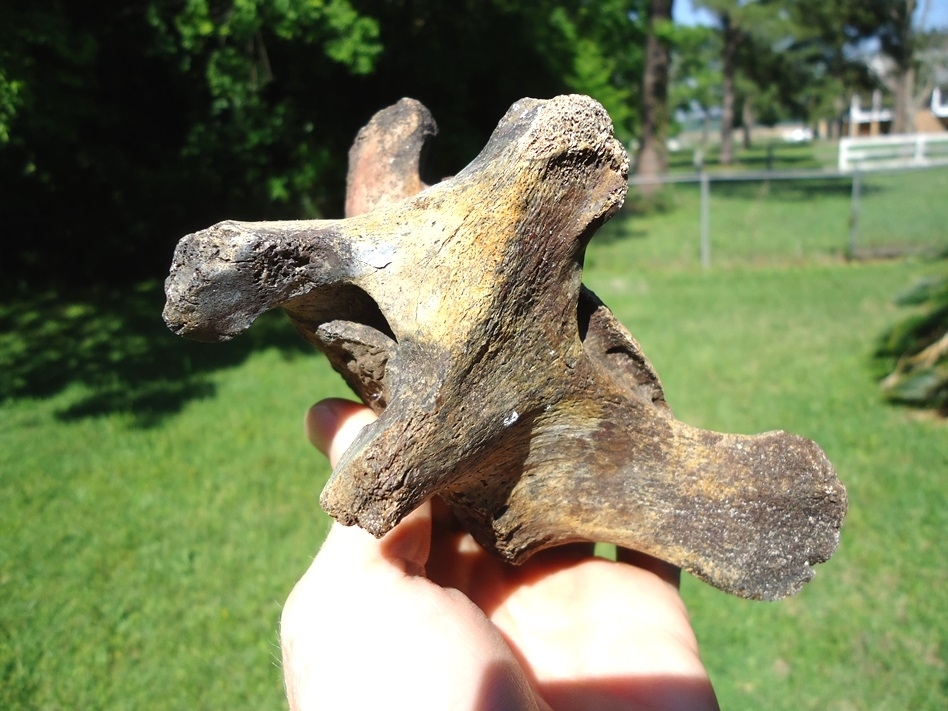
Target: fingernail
[320,424]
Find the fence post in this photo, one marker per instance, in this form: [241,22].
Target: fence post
[854,212]
[705,219]
[842,162]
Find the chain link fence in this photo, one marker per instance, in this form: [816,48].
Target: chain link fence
[784,216]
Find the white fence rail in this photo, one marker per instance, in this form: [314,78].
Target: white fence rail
[902,151]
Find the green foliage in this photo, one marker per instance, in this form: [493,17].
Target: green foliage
[246,123]
[602,46]
[602,67]
[26,30]
[124,127]
[131,126]
[696,68]
[11,97]
[916,349]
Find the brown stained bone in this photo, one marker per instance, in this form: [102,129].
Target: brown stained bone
[503,385]
[384,161]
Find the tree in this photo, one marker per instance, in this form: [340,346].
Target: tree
[772,74]
[932,62]
[735,18]
[733,36]
[133,121]
[897,41]
[727,13]
[127,123]
[764,74]
[696,73]
[824,45]
[252,116]
[845,28]
[652,158]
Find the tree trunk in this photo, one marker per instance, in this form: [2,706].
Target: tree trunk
[653,155]
[747,121]
[904,119]
[732,40]
[904,56]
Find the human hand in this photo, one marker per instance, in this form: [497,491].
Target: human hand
[424,618]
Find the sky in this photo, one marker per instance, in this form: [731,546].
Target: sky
[685,13]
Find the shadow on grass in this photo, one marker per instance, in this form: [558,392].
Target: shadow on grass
[776,159]
[772,155]
[618,229]
[113,341]
[797,190]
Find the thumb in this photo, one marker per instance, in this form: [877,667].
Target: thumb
[331,426]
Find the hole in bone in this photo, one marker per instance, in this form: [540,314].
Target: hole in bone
[338,302]
[584,311]
[605,341]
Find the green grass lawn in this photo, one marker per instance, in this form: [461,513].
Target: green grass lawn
[158,499]
[153,521]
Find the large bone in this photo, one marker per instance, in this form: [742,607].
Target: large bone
[504,385]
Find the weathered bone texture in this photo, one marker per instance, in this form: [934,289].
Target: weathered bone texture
[504,385]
